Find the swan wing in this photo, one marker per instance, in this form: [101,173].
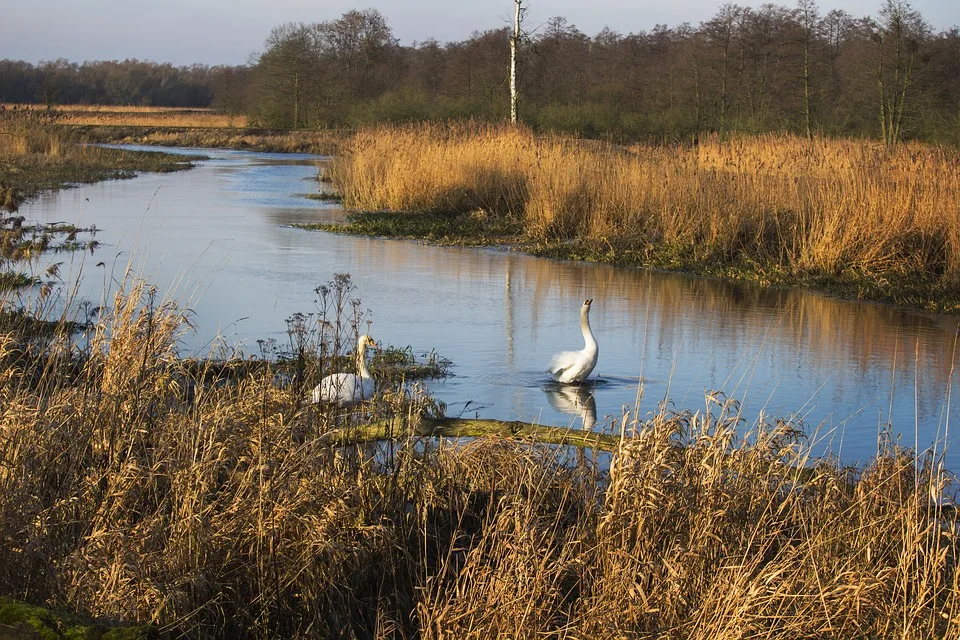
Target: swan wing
[340,388]
[343,389]
[561,362]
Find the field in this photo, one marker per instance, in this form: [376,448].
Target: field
[122,115]
[163,126]
[851,216]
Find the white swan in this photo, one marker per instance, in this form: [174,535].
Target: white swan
[348,388]
[574,366]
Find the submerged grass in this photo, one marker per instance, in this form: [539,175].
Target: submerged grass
[226,512]
[473,229]
[849,216]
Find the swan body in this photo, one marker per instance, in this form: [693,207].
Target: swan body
[575,366]
[348,388]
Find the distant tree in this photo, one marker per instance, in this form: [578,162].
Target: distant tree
[721,35]
[898,37]
[808,17]
[287,75]
[230,88]
[362,49]
[766,68]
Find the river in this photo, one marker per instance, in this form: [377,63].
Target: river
[219,239]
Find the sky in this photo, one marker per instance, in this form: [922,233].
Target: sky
[229,31]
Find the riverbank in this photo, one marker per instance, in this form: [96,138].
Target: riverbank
[325,142]
[36,156]
[227,507]
[846,217]
[478,230]
[172,127]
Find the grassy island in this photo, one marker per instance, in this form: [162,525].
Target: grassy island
[848,216]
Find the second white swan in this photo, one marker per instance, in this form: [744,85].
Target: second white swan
[348,388]
[574,366]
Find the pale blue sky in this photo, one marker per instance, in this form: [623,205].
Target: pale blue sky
[228,31]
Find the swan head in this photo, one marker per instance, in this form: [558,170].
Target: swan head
[586,305]
[366,341]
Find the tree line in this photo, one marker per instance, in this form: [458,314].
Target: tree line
[130,82]
[774,68]
[771,68]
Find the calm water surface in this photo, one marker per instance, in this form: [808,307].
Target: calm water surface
[218,237]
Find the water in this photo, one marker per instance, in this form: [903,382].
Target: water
[218,236]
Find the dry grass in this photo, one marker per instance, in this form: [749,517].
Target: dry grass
[103,108]
[133,489]
[323,142]
[175,127]
[820,208]
[36,155]
[123,116]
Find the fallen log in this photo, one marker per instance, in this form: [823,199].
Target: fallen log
[471,428]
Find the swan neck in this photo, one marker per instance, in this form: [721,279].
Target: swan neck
[589,340]
[362,360]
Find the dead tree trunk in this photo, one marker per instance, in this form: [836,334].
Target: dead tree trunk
[514,42]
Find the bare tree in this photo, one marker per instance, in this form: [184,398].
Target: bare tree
[721,35]
[809,19]
[897,37]
[518,12]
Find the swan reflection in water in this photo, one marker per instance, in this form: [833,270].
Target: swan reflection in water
[573,399]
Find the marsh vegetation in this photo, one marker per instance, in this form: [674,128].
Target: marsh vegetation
[220,509]
[36,155]
[204,497]
[851,216]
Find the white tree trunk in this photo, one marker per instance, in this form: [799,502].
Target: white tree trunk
[514,40]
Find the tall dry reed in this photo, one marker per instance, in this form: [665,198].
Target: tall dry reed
[810,207]
[132,487]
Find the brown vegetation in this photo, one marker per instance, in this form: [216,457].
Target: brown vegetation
[165,126]
[323,142]
[128,116]
[36,155]
[133,489]
[782,206]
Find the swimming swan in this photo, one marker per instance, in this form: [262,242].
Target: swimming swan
[348,388]
[574,366]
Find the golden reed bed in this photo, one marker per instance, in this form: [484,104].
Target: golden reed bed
[823,207]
